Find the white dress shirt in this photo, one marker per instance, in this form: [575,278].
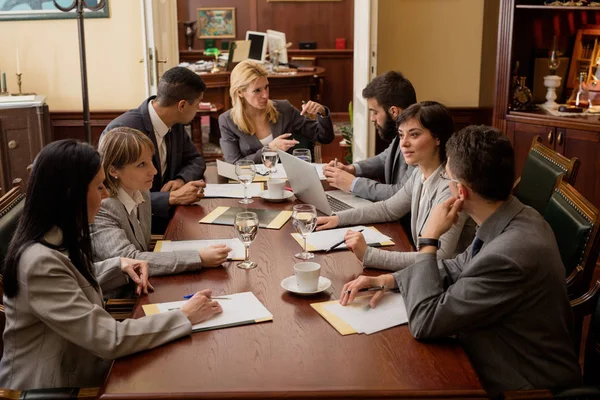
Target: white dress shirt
[160,131]
[131,203]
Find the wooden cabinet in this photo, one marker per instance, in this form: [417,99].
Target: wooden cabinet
[23,133]
[580,140]
[526,31]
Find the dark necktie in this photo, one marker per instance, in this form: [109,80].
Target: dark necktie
[477,243]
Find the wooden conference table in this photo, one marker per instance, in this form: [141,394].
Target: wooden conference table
[297,355]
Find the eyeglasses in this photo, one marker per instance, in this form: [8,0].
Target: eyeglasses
[444,175]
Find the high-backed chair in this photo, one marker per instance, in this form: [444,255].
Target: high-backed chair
[575,222]
[588,304]
[542,168]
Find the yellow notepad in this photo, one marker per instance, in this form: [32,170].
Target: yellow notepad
[270,219]
[335,321]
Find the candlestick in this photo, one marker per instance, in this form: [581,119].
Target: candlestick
[19,83]
[18,63]
[5,90]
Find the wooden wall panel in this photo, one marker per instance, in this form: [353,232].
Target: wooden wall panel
[321,22]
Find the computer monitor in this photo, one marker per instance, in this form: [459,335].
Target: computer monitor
[277,42]
[258,45]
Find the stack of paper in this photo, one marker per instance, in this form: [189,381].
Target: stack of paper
[263,174]
[323,240]
[237,247]
[359,317]
[232,190]
[238,309]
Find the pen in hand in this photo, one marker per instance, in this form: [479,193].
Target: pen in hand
[371,289]
[338,244]
[189,296]
[335,163]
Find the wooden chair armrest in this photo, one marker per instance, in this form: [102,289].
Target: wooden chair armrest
[49,394]
[120,309]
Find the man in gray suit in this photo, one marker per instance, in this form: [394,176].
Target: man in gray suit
[162,117]
[505,297]
[387,95]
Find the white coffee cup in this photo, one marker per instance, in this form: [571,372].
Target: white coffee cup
[307,276]
[276,188]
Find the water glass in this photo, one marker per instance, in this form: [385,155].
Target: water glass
[304,219]
[303,154]
[270,158]
[246,228]
[245,171]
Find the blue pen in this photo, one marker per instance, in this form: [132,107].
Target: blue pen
[189,296]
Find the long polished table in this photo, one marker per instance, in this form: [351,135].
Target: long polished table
[297,355]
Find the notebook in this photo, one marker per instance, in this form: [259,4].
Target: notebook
[323,240]
[239,309]
[237,247]
[359,317]
[270,219]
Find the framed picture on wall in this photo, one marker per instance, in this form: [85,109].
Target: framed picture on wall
[216,23]
[20,10]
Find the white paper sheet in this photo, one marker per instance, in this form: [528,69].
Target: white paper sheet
[240,308]
[237,247]
[390,311]
[232,190]
[281,174]
[323,240]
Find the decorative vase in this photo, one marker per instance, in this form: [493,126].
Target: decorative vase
[552,82]
[521,96]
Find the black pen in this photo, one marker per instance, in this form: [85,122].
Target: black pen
[371,289]
[338,244]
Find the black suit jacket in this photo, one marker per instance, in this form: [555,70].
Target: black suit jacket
[183,160]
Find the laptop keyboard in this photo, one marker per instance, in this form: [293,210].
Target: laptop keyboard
[337,205]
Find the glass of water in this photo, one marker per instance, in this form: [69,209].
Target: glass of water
[245,171]
[304,219]
[303,154]
[246,227]
[270,158]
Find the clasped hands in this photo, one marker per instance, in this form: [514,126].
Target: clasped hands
[339,175]
[182,193]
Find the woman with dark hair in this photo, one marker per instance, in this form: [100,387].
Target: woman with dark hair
[57,332]
[424,128]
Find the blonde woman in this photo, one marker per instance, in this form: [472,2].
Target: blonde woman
[122,226]
[256,121]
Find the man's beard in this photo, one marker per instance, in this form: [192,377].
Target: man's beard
[388,132]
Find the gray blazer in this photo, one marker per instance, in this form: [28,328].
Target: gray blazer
[237,145]
[388,165]
[508,305]
[409,199]
[115,233]
[57,332]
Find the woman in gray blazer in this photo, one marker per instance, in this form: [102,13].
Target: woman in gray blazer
[256,121]
[122,227]
[57,332]
[424,128]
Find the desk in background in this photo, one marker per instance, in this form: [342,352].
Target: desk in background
[298,355]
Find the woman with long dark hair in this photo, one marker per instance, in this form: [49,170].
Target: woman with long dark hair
[57,332]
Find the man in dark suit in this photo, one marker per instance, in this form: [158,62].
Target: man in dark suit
[162,117]
[387,96]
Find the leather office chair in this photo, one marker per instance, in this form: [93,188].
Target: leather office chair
[542,168]
[575,222]
[588,304]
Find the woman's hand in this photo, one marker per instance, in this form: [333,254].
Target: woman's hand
[355,241]
[312,108]
[138,271]
[327,222]
[214,255]
[200,307]
[282,142]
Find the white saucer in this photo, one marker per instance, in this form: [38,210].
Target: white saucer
[290,285]
[286,195]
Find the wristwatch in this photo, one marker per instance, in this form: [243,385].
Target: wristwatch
[422,242]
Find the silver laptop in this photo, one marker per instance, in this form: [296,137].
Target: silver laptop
[307,187]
